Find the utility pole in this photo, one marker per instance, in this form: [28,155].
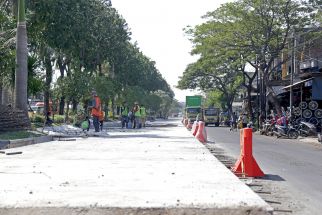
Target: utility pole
[293,70]
[258,107]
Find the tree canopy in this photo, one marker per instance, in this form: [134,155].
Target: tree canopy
[88,42]
[253,32]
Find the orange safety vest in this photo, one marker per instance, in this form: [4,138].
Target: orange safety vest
[96,110]
[102,116]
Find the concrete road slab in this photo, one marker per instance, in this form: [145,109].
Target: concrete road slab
[147,171]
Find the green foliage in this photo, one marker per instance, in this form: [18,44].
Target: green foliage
[216,98]
[153,102]
[59,119]
[89,42]
[105,87]
[35,82]
[7,47]
[240,33]
[134,94]
[37,118]
[75,86]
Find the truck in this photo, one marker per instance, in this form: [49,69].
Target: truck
[193,108]
[211,116]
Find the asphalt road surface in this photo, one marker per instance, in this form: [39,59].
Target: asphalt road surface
[294,163]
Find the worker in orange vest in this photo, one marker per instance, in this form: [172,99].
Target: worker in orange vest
[101,119]
[96,110]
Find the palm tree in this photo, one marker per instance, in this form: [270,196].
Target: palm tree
[21,60]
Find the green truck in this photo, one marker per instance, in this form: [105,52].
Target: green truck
[193,108]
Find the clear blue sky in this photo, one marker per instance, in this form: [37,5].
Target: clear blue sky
[157,26]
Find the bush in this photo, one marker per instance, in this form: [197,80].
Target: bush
[37,119]
[59,119]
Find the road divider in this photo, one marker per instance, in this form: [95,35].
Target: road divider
[195,128]
[246,165]
[185,122]
[189,125]
[201,134]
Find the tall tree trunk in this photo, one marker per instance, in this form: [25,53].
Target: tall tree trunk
[100,71]
[67,113]
[249,88]
[49,74]
[0,91]
[21,74]
[61,105]
[229,103]
[264,90]
[75,103]
[113,105]
[62,67]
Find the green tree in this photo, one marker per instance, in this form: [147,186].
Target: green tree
[216,98]
[256,29]
[212,74]
[7,50]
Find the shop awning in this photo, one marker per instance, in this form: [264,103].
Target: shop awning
[297,83]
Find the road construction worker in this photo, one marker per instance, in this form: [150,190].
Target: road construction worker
[96,110]
[137,115]
[143,115]
[101,119]
[124,115]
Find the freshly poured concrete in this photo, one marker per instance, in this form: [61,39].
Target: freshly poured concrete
[150,171]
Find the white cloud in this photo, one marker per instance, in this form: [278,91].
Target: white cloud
[157,26]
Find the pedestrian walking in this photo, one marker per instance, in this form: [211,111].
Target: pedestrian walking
[137,115]
[101,119]
[272,115]
[131,119]
[143,115]
[96,110]
[124,115]
[244,120]
[233,122]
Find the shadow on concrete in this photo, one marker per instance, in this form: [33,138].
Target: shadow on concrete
[273,177]
[211,142]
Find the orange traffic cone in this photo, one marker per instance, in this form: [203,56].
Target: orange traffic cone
[201,133]
[195,127]
[246,164]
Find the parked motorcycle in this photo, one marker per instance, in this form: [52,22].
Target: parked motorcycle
[286,131]
[268,127]
[306,129]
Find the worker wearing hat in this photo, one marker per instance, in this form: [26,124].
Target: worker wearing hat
[137,115]
[96,110]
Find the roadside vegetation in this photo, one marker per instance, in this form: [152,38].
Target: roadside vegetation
[73,47]
[243,36]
